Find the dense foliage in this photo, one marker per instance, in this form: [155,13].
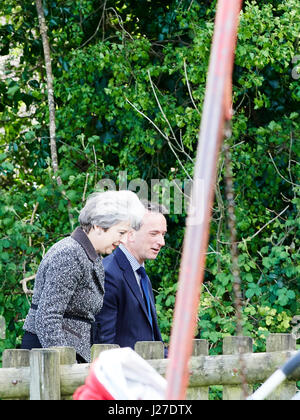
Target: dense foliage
[129,83]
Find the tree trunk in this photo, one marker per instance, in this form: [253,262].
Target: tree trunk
[51,102]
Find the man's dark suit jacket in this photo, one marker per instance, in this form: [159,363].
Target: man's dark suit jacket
[123,318]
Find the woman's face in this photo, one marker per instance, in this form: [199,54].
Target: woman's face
[106,241]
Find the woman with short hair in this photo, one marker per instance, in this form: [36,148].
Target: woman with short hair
[69,284]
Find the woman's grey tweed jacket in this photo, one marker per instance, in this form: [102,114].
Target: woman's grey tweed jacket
[68,293]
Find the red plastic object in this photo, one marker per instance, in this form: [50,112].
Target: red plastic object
[92,390]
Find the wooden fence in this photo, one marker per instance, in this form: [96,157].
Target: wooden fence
[53,374]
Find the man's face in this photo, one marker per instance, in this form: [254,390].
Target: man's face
[145,243]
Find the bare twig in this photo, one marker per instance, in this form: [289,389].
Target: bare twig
[24,285]
[178,146]
[85,186]
[265,225]
[281,176]
[162,134]
[164,115]
[32,219]
[256,233]
[120,21]
[97,29]
[96,167]
[172,147]
[189,88]
[190,5]
[147,118]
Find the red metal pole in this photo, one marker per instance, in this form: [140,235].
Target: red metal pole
[217,108]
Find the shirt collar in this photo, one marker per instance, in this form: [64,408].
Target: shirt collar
[81,237]
[135,265]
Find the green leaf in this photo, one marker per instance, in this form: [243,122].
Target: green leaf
[11,91]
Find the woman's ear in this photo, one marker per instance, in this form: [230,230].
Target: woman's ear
[98,230]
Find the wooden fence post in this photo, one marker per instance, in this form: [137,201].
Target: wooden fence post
[99,348]
[44,374]
[280,342]
[15,358]
[150,350]
[236,345]
[200,348]
[67,356]
[2,328]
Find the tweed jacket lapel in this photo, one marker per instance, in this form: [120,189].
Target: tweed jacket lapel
[81,237]
[130,278]
[98,272]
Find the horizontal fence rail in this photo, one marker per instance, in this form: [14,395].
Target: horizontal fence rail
[53,374]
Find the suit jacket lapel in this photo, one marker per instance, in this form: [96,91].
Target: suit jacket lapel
[130,278]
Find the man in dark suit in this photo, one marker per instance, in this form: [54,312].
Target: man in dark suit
[128,314]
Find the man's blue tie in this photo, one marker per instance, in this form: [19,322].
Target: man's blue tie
[144,284]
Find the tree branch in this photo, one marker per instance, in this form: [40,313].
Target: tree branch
[51,102]
[189,88]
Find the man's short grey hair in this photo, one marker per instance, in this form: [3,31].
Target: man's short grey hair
[152,208]
[108,208]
